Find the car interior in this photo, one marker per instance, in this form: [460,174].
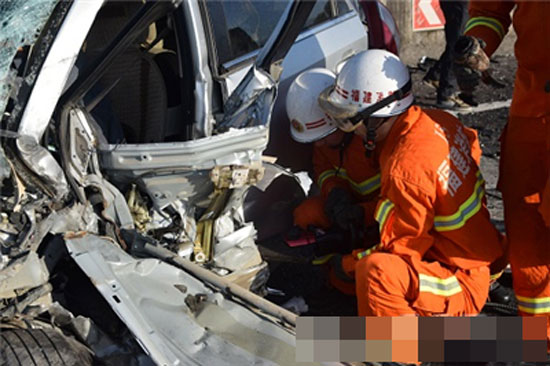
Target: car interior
[146,74]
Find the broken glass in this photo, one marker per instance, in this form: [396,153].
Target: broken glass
[21,22]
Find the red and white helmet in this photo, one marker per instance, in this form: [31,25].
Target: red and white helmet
[368,82]
[308,122]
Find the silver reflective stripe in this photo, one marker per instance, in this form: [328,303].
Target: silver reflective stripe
[466,210]
[383,212]
[439,286]
[533,305]
[365,187]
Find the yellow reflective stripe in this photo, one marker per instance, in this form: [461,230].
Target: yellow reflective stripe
[383,212]
[533,300]
[496,276]
[533,305]
[322,260]
[365,187]
[363,254]
[534,311]
[491,23]
[324,176]
[466,210]
[439,286]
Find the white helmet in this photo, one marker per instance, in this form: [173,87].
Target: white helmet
[308,122]
[372,78]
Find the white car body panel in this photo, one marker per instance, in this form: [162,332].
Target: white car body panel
[319,46]
[57,68]
[150,297]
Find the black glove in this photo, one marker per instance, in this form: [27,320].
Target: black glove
[471,63]
[468,51]
[343,212]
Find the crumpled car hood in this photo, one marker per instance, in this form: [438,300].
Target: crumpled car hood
[175,317]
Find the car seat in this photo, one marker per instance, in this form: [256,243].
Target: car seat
[138,99]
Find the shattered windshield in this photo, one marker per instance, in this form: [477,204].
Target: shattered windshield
[21,23]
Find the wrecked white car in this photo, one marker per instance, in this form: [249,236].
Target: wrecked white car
[124,167]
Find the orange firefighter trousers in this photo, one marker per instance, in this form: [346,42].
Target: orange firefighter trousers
[397,292]
[524,173]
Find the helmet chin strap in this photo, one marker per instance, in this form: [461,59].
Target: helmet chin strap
[370,142]
[364,116]
[370,139]
[346,140]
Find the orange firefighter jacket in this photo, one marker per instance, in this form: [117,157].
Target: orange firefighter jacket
[351,170]
[524,171]
[433,205]
[490,20]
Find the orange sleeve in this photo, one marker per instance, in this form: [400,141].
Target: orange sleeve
[475,148]
[544,207]
[489,20]
[405,214]
[326,175]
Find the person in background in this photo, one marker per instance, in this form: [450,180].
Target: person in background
[442,75]
[437,242]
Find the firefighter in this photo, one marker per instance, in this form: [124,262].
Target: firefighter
[436,238]
[349,181]
[525,143]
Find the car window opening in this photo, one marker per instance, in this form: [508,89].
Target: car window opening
[138,99]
